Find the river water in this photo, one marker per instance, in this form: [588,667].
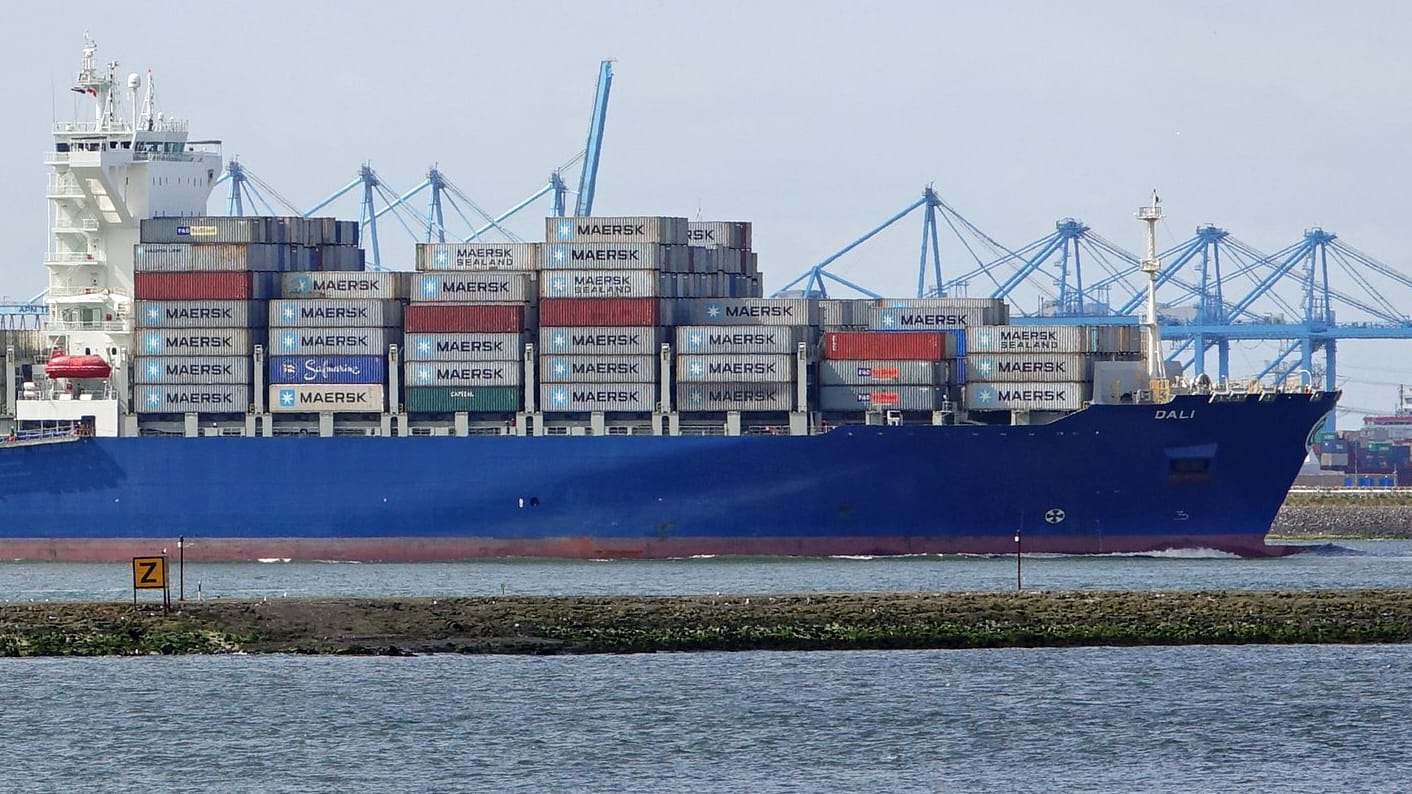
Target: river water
[1190,719]
[1345,564]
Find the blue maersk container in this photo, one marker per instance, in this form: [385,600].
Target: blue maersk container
[328,369]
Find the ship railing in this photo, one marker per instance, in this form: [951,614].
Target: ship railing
[52,157]
[48,389]
[121,128]
[73,258]
[46,432]
[109,326]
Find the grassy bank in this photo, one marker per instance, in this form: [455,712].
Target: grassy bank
[627,624]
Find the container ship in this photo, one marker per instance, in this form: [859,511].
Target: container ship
[619,389]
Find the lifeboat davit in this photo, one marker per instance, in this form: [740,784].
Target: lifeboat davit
[65,366]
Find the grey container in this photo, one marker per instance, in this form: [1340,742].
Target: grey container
[722,234]
[600,229]
[330,313]
[191,370]
[718,260]
[202,399]
[1029,367]
[1037,339]
[601,340]
[478,287]
[599,284]
[835,372]
[464,373]
[1027,396]
[741,338]
[598,369]
[440,257]
[211,257]
[378,286]
[614,256]
[200,314]
[933,318]
[896,398]
[345,341]
[464,347]
[748,311]
[199,341]
[743,397]
[728,368]
[591,397]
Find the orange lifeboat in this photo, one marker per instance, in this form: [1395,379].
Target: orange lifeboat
[65,366]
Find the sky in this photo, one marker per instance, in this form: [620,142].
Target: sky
[814,120]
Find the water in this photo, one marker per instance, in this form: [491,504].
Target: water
[1194,719]
[1349,564]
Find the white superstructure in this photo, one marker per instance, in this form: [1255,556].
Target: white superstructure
[127,162]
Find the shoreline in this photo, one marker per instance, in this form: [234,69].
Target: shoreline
[641,624]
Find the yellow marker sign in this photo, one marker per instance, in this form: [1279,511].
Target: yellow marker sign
[149,573]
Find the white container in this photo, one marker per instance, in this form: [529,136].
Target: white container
[607,340]
[335,313]
[932,318]
[740,338]
[1030,339]
[1027,396]
[328,398]
[463,373]
[200,314]
[735,368]
[599,284]
[614,256]
[602,229]
[483,287]
[191,370]
[201,399]
[749,311]
[606,397]
[597,369]
[463,347]
[477,256]
[1029,367]
[199,341]
[333,341]
[366,285]
[744,397]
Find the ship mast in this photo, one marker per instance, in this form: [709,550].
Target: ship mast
[1150,214]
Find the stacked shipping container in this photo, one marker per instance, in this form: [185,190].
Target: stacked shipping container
[1040,368]
[739,353]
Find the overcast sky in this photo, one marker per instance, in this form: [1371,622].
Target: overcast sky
[814,120]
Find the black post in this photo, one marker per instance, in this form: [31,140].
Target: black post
[181,568]
[1019,581]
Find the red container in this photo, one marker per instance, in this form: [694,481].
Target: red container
[598,311]
[909,345]
[235,285]
[464,317]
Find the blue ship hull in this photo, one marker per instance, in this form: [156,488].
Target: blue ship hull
[1195,472]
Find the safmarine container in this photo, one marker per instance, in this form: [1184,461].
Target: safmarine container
[212,229]
[900,372]
[599,229]
[333,341]
[749,311]
[912,345]
[589,397]
[744,397]
[345,313]
[1027,396]
[597,369]
[191,370]
[226,398]
[740,338]
[599,311]
[200,314]
[463,373]
[932,318]
[599,284]
[601,340]
[1030,367]
[381,286]
[471,399]
[477,256]
[480,287]
[243,285]
[327,398]
[199,341]
[464,347]
[614,256]
[465,318]
[724,234]
[213,257]
[897,398]
[731,368]
[1033,339]
[328,369]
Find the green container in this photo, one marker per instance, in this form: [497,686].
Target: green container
[471,399]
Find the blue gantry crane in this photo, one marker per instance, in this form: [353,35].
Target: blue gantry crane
[247,191]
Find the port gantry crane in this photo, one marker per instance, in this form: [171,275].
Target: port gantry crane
[1215,289]
[248,190]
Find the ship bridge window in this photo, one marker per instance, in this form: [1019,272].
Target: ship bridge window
[1190,465]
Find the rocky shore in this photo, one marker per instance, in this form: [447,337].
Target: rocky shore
[1332,515]
[630,624]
